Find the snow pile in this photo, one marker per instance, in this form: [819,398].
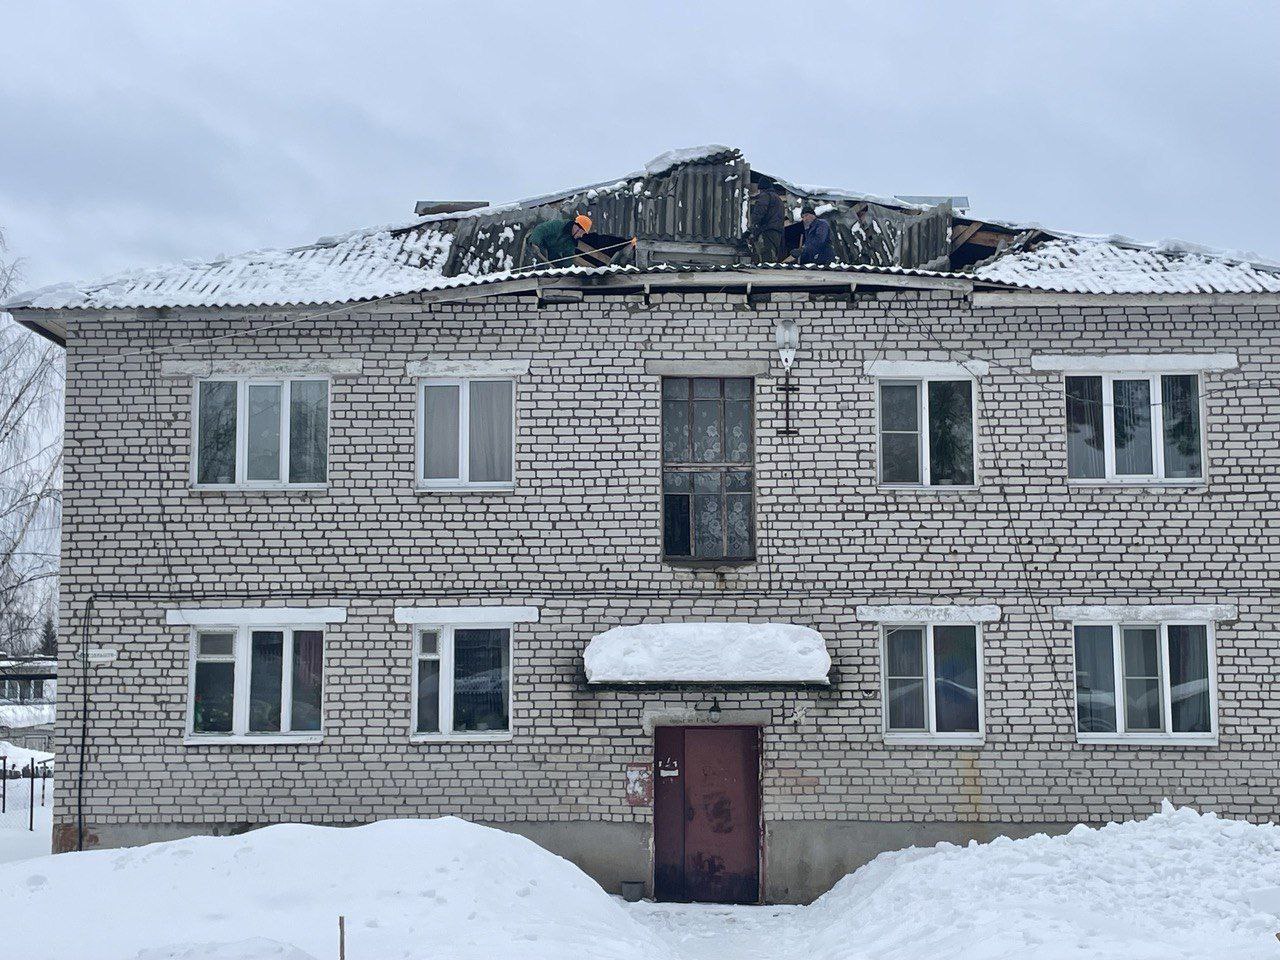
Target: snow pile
[1176,885]
[442,889]
[708,653]
[14,756]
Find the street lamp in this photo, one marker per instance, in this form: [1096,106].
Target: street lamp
[788,337]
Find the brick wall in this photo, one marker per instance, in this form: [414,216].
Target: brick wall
[580,537]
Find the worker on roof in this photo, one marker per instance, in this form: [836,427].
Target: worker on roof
[764,227]
[815,242]
[554,243]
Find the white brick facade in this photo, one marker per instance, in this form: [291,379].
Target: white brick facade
[580,537]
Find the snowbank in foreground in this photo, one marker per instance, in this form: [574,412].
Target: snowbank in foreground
[707,652]
[441,889]
[15,756]
[1176,885]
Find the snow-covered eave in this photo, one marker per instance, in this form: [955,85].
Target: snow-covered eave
[712,685]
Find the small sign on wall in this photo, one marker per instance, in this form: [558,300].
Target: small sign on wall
[640,784]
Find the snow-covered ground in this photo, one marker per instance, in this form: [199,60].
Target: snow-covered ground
[14,756]
[1176,886]
[16,841]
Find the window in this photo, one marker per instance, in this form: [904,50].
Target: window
[707,476]
[926,432]
[462,681]
[256,682]
[932,683]
[1144,681]
[1134,427]
[466,433]
[261,433]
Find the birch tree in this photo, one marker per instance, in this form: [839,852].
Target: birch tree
[31,386]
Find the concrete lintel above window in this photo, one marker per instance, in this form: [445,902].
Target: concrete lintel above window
[463,616]
[463,369]
[290,369]
[253,616]
[1148,613]
[922,369]
[1133,362]
[930,613]
[706,368]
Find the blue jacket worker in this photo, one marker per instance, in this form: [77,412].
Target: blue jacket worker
[815,243]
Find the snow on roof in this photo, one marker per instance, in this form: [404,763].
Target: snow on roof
[358,266]
[1066,264]
[18,715]
[707,653]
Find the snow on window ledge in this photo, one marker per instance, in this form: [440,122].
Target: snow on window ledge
[1148,613]
[708,653]
[930,613]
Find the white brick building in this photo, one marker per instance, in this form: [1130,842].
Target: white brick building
[1031,622]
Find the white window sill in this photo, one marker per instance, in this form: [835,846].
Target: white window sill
[502,737]
[258,488]
[933,740]
[1197,483]
[930,487]
[241,739]
[465,487]
[1149,739]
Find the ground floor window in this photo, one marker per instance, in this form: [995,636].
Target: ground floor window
[1136,681]
[932,682]
[259,680]
[462,680]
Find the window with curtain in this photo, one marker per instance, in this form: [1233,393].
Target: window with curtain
[708,452]
[932,685]
[262,433]
[466,433]
[252,681]
[1134,427]
[462,681]
[927,432]
[1144,680]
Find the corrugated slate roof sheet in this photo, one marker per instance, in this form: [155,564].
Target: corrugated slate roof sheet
[1086,265]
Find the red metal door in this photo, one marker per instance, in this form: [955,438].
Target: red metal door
[706,816]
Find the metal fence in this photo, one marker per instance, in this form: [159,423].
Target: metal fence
[26,795]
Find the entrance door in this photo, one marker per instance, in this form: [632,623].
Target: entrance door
[706,814]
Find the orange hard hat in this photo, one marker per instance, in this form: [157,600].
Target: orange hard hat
[583,221]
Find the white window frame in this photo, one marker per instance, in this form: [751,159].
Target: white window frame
[930,736]
[243,383]
[1148,737]
[1110,477]
[242,656]
[922,414]
[445,656]
[462,481]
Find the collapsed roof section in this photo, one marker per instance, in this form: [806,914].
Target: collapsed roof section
[684,211]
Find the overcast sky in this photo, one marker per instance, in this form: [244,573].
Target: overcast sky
[133,134]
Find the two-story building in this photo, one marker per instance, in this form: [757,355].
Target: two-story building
[716,575]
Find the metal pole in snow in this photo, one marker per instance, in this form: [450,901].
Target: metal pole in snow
[342,938]
[31,804]
[4,783]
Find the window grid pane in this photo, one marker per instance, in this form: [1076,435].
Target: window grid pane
[905,679]
[1095,680]
[1189,694]
[1140,649]
[263,432]
[955,669]
[707,448]
[489,431]
[951,432]
[440,431]
[308,431]
[1086,453]
[480,669]
[266,674]
[216,455]
[900,433]
[307,680]
[1131,421]
[1180,415]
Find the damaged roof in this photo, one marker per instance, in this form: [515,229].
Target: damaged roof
[686,210]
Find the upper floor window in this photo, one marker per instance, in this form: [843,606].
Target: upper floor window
[466,433]
[261,433]
[1145,681]
[1134,427]
[462,681]
[707,475]
[256,681]
[926,432]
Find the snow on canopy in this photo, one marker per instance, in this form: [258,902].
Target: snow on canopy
[1094,265]
[707,653]
[408,888]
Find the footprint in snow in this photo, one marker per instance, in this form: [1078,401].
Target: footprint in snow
[36,880]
